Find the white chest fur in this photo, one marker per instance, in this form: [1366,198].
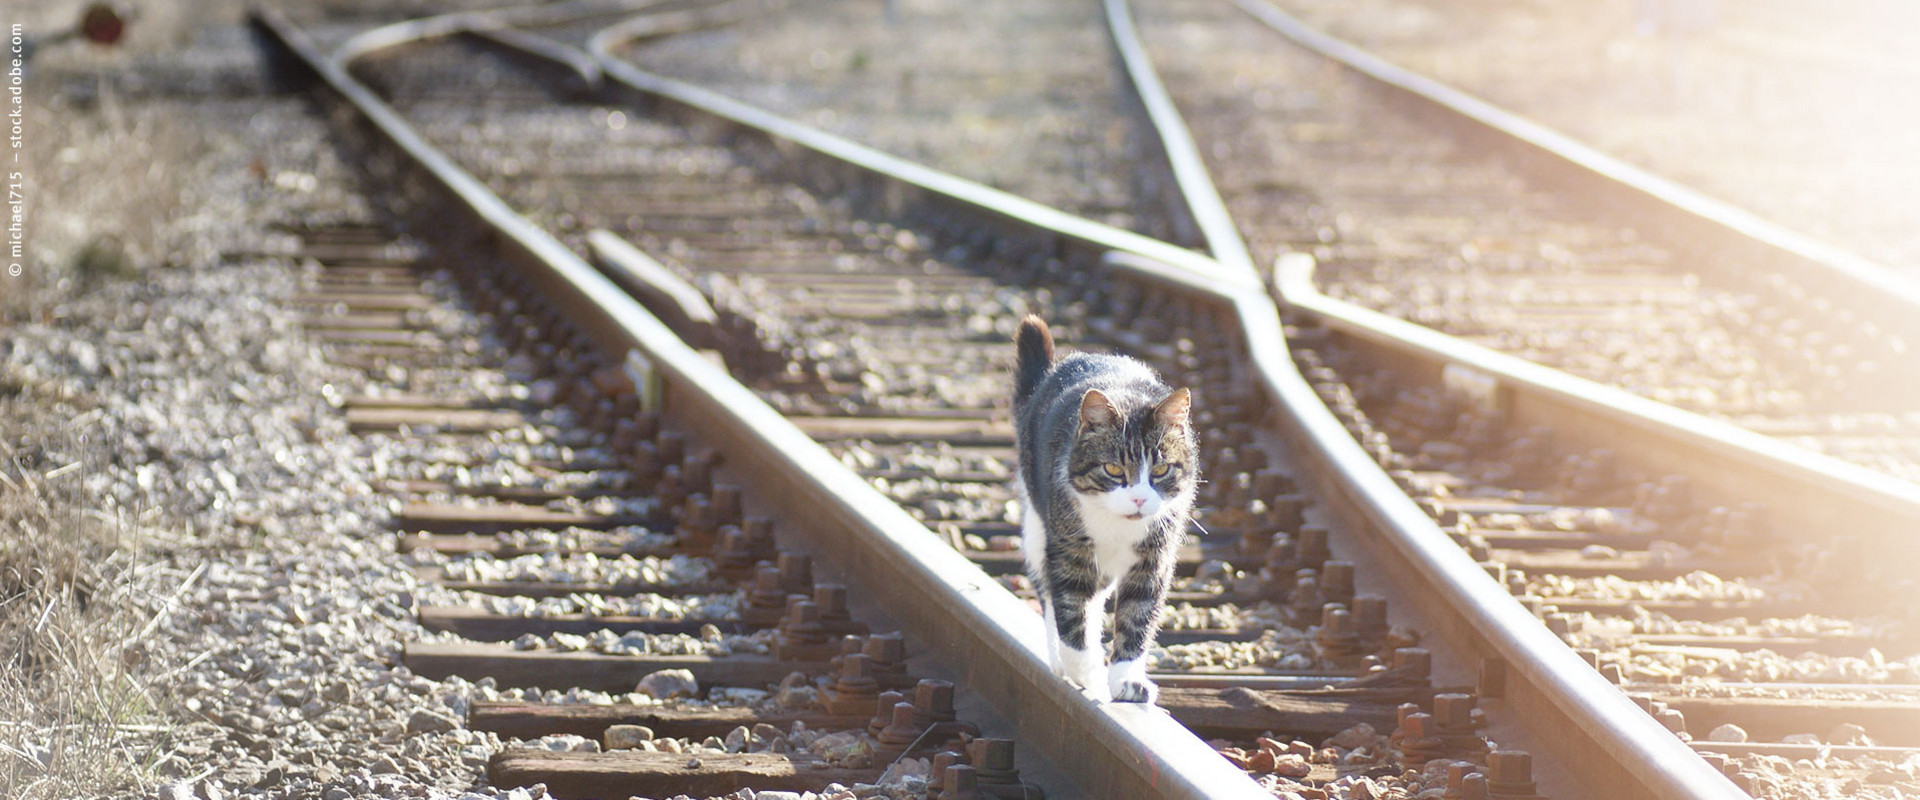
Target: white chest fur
[1114,538]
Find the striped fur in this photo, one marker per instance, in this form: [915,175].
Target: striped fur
[1108,466]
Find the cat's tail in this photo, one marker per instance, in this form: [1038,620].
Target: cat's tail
[1033,348]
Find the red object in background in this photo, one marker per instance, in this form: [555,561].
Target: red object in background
[102,25]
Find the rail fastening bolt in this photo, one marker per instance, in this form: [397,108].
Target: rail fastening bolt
[1510,773]
[933,701]
[832,599]
[961,784]
[796,572]
[1416,661]
[1370,618]
[901,732]
[1336,582]
[803,622]
[883,711]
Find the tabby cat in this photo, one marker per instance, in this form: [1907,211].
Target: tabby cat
[1108,466]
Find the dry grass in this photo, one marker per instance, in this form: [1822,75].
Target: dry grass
[105,187]
[72,691]
[104,174]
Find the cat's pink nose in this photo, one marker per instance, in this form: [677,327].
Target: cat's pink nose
[1139,502]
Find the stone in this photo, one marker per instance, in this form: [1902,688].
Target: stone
[177,790]
[271,778]
[669,683]
[1727,733]
[1291,766]
[905,768]
[846,748]
[796,695]
[737,739]
[423,721]
[1598,552]
[1361,735]
[1848,733]
[626,737]
[1261,762]
[1213,571]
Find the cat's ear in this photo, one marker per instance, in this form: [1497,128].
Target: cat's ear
[1172,412]
[1096,411]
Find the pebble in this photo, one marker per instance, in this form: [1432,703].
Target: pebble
[429,721]
[846,749]
[626,737]
[1848,733]
[1361,735]
[1727,732]
[669,683]
[796,692]
[1291,766]
[177,790]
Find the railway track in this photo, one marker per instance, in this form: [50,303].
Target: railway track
[1536,247]
[1750,629]
[980,436]
[1042,114]
[1342,684]
[843,289]
[569,574]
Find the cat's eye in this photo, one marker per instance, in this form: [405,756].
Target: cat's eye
[1114,470]
[1159,470]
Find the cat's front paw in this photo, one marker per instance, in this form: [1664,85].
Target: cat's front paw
[1082,667]
[1127,682]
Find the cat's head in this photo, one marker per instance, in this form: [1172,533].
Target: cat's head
[1133,463]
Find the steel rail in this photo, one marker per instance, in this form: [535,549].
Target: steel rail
[661,290]
[1570,704]
[1125,750]
[1171,265]
[650,26]
[1555,686]
[457,22]
[1721,235]
[1190,172]
[1804,490]
[1574,709]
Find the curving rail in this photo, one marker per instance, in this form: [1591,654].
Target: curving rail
[1596,733]
[1549,684]
[1126,751]
[1722,236]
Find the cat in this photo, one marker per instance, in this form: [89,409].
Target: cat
[1108,466]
